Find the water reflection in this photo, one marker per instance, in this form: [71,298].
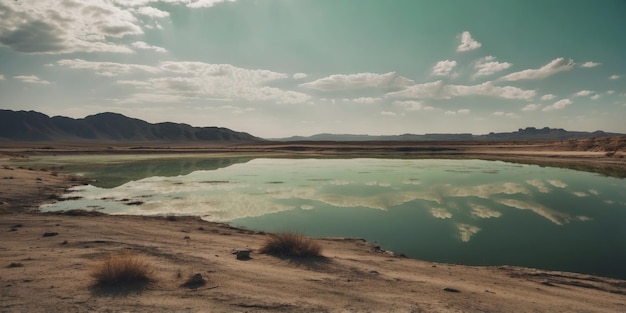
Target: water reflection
[448,208]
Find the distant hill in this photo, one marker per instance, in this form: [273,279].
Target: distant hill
[527,134]
[35,126]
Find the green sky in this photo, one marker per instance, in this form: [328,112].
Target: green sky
[277,68]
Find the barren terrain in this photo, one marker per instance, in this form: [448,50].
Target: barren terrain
[51,273]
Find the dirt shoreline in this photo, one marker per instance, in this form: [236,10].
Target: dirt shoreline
[41,274]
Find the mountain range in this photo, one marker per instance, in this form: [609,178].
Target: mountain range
[35,126]
[114,127]
[526,134]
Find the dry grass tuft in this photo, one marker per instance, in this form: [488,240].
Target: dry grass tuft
[289,244]
[122,269]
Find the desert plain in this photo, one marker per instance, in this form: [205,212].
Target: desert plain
[46,258]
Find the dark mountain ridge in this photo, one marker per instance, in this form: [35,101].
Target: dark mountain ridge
[526,134]
[35,126]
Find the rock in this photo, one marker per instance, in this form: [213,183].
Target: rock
[194,281]
[50,234]
[242,254]
[451,289]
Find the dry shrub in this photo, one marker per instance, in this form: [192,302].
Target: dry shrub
[122,269]
[288,244]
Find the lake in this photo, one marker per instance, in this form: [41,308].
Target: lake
[469,212]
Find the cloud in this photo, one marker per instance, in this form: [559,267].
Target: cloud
[509,115]
[466,231]
[467,42]
[409,105]
[614,77]
[107,68]
[541,187]
[195,80]
[336,82]
[531,107]
[199,79]
[552,215]
[555,66]
[460,112]
[439,90]
[441,213]
[299,75]
[152,12]
[388,113]
[144,46]
[205,3]
[557,183]
[590,64]
[31,79]
[548,97]
[561,104]
[483,211]
[53,27]
[487,66]
[595,97]
[583,93]
[1,77]
[444,68]
[364,100]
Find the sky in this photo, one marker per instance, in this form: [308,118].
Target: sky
[279,68]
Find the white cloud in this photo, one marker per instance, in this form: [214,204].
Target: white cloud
[144,46]
[561,104]
[610,92]
[195,80]
[31,79]
[299,75]
[467,42]
[488,65]
[444,68]
[583,93]
[531,107]
[509,115]
[548,97]
[441,213]
[590,64]
[555,66]
[614,77]
[557,183]
[107,68]
[364,100]
[389,80]
[409,105]
[206,3]
[459,112]
[388,113]
[53,27]
[595,97]
[541,187]
[466,231]
[483,211]
[152,12]
[1,77]
[439,90]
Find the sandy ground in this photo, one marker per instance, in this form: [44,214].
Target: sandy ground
[51,273]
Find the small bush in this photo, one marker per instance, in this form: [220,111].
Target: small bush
[122,269]
[290,244]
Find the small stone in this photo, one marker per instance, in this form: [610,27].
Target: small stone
[451,289]
[242,254]
[195,281]
[50,234]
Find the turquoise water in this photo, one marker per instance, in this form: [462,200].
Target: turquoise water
[460,211]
